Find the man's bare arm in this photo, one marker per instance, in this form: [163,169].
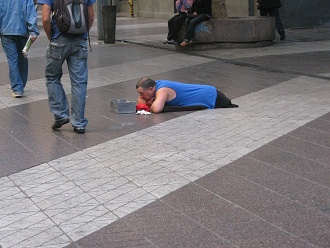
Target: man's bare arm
[90,16]
[46,11]
[160,100]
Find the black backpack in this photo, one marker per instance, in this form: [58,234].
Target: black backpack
[71,16]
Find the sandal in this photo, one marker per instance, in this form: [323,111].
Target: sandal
[183,43]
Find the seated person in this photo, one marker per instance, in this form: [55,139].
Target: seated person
[176,22]
[200,11]
[158,95]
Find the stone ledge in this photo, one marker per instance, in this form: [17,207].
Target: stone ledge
[234,32]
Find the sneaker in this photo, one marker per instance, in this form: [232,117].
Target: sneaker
[187,42]
[17,94]
[191,42]
[79,130]
[165,41]
[59,123]
[173,42]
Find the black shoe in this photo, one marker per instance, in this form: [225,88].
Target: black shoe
[59,123]
[173,42]
[233,105]
[79,130]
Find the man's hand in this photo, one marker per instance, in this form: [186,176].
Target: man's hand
[46,20]
[33,38]
[141,100]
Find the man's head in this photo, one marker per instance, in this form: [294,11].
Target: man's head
[146,87]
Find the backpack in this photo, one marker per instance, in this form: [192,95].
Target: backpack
[71,16]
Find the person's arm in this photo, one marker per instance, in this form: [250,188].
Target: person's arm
[159,102]
[46,20]
[140,100]
[90,16]
[31,20]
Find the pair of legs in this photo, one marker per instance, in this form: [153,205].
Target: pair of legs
[18,64]
[278,24]
[74,51]
[190,24]
[174,25]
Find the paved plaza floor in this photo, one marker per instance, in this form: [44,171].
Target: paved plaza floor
[253,176]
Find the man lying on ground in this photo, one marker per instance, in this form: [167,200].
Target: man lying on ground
[162,95]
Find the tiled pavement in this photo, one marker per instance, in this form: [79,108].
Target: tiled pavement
[255,176]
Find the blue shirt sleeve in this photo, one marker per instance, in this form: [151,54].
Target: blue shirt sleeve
[48,2]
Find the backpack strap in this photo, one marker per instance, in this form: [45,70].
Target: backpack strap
[89,41]
[61,5]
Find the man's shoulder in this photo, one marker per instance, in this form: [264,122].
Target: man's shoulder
[91,2]
[164,92]
[48,2]
[51,2]
[162,81]
[165,89]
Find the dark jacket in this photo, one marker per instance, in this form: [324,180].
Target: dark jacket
[269,4]
[202,7]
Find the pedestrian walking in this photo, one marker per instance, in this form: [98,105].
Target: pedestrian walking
[271,8]
[18,22]
[73,49]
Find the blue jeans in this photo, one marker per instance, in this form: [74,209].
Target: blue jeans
[192,23]
[18,65]
[75,51]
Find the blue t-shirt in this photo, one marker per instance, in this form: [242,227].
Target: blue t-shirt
[190,94]
[55,31]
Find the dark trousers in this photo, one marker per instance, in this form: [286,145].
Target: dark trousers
[223,102]
[273,12]
[175,24]
[192,23]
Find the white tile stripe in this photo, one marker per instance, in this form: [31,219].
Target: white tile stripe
[36,89]
[68,198]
